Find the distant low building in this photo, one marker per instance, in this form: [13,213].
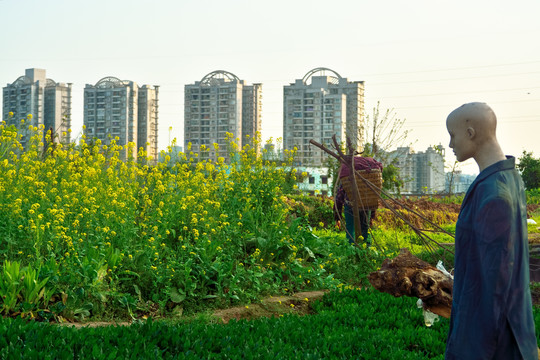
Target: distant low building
[422,172]
[458,182]
[316,181]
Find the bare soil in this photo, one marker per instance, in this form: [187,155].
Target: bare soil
[298,303]
[273,306]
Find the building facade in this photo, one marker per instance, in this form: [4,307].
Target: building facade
[121,110]
[422,172]
[316,182]
[317,107]
[218,104]
[48,103]
[457,182]
[147,120]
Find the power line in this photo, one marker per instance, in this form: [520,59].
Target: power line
[447,105]
[451,79]
[462,92]
[457,68]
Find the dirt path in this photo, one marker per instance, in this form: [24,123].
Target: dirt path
[272,306]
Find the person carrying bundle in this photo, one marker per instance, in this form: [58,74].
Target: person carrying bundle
[370,169]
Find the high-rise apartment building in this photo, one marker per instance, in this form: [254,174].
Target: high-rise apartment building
[115,108]
[47,101]
[147,122]
[317,107]
[220,103]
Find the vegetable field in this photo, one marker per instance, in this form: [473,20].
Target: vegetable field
[88,234]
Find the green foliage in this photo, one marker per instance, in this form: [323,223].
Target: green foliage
[318,210]
[391,179]
[23,290]
[533,196]
[450,199]
[530,170]
[350,324]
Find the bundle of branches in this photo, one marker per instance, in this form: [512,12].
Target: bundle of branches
[406,274]
[395,206]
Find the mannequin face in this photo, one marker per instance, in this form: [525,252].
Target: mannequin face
[461,138]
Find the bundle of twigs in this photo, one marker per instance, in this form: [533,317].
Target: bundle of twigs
[394,205]
[399,210]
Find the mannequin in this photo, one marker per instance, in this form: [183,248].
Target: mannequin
[472,129]
[492,309]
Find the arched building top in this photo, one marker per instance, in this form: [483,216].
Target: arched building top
[214,77]
[334,79]
[110,82]
[50,82]
[22,80]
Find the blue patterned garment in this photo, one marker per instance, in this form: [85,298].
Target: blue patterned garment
[492,308]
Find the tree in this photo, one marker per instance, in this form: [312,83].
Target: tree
[452,175]
[382,132]
[529,168]
[391,179]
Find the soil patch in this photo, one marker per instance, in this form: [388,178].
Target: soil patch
[534,239]
[273,306]
[94,324]
[298,303]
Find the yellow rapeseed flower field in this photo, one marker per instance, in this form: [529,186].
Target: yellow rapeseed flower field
[192,230]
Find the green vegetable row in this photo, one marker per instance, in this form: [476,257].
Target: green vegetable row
[352,324]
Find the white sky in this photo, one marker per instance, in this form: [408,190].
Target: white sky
[420,58]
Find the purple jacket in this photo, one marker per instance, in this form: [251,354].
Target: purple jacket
[360,163]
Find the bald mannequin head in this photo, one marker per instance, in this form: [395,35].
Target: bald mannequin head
[472,128]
